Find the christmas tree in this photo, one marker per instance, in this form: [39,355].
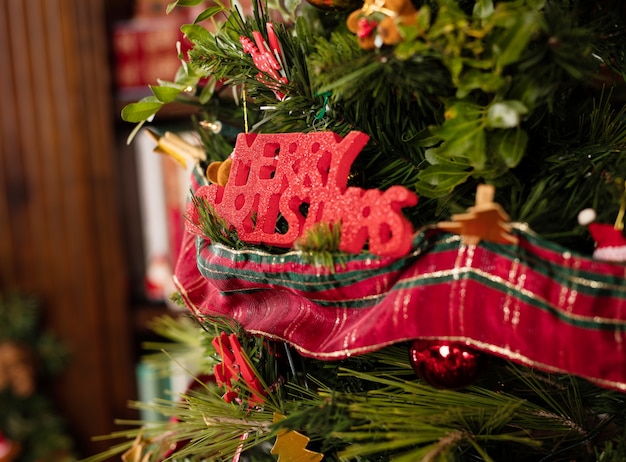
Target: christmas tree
[384,254]
[30,428]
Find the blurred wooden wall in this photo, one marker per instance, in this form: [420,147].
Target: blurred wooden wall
[60,219]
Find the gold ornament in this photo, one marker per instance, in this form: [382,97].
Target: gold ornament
[290,446]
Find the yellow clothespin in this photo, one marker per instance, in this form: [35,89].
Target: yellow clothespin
[177,148]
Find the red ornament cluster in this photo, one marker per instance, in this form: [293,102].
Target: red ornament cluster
[235,367]
[267,59]
[274,175]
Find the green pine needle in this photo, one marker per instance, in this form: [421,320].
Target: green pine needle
[214,228]
[320,245]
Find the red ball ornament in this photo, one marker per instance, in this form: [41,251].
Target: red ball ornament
[445,364]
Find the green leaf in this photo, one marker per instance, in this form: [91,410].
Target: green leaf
[195,32]
[510,145]
[410,49]
[443,177]
[474,79]
[422,138]
[483,9]
[459,137]
[134,132]
[463,109]
[165,94]
[537,4]
[291,6]
[168,83]
[185,77]
[433,157]
[209,13]
[476,153]
[171,6]
[449,17]
[455,65]
[423,189]
[512,43]
[423,19]
[141,110]
[207,92]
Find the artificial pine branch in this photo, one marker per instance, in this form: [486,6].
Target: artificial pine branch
[372,407]
[404,90]
[207,426]
[214,228]
[182,343]
[584,167]
[429,85]
[510,96]
[320,245]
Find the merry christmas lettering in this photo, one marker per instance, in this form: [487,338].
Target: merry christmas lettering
[273,175]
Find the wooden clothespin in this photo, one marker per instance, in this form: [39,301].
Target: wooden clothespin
[177,148]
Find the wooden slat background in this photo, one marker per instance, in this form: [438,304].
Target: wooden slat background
[60,214]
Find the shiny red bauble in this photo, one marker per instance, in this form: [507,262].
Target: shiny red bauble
[445,364]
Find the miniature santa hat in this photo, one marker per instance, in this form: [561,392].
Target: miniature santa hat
[610,242]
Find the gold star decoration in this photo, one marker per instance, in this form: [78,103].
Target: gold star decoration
[290,446]
[487,221]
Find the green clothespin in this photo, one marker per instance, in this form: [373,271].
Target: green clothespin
[322,112]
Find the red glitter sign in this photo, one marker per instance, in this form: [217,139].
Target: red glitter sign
[303,179]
